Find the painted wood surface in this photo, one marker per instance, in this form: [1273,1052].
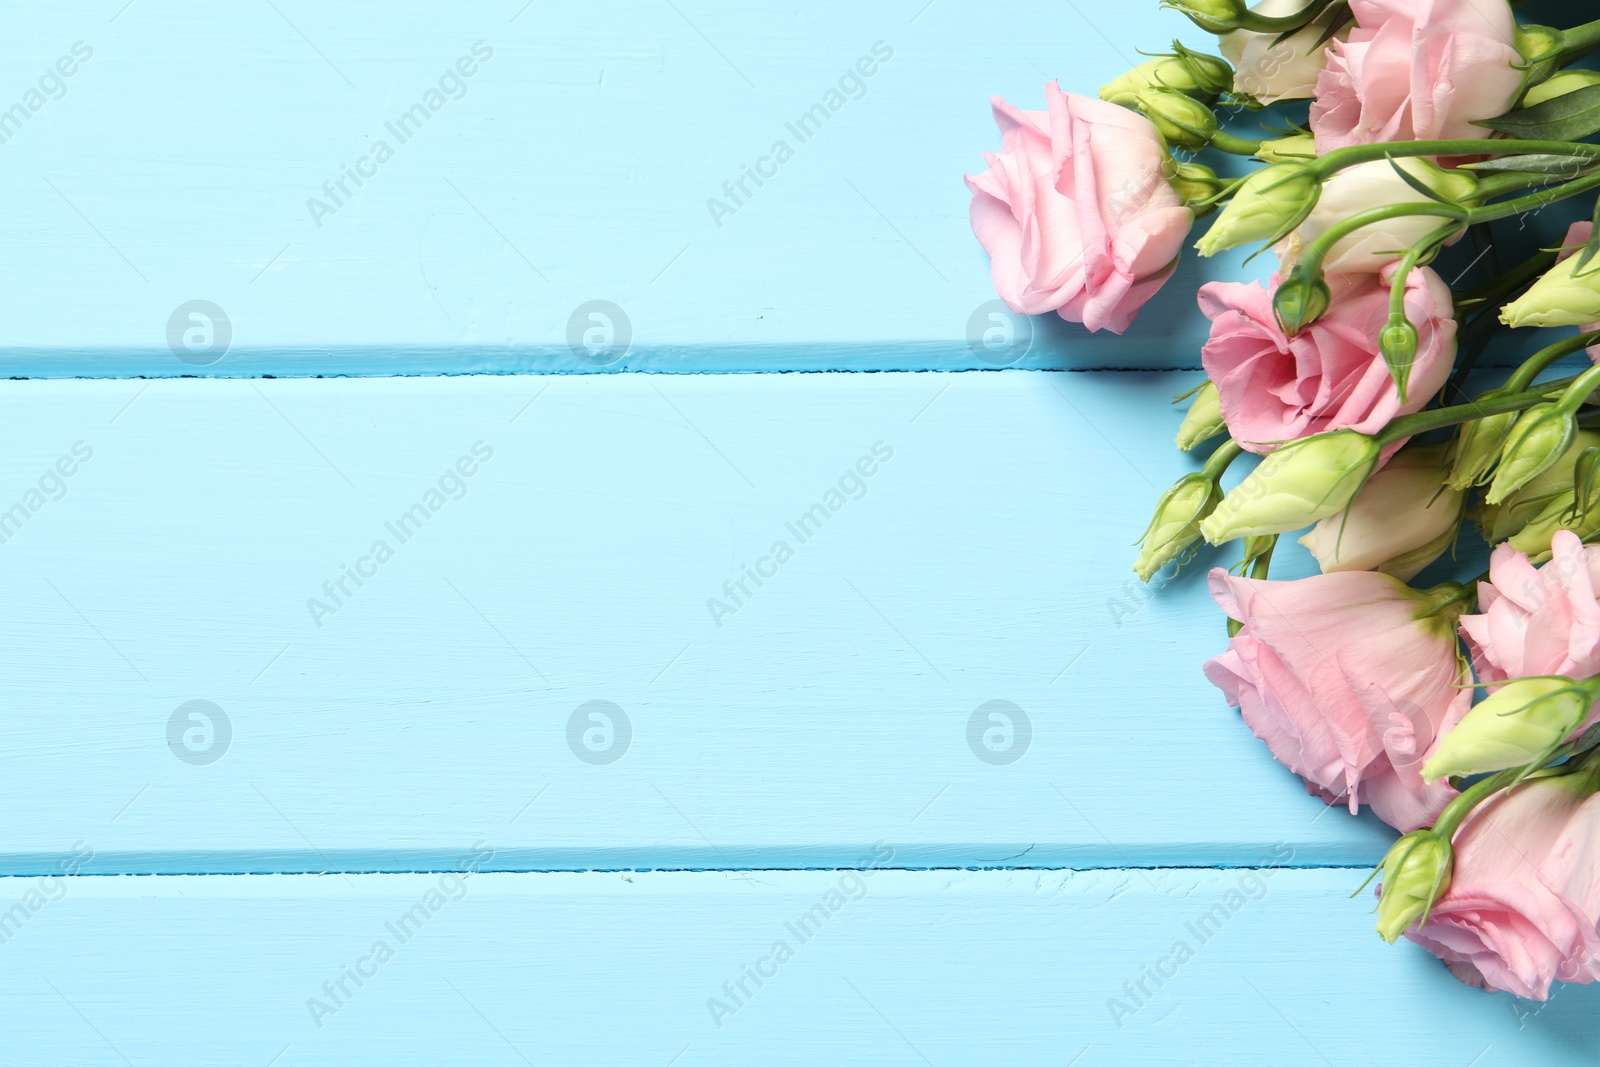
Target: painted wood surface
[184,159]
[979,553]
[530,679]
[888,967]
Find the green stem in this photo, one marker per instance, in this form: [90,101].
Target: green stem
[1493,185]
[1450,819]
[1579,390]
[1350,155]
[1422,421]
[1257,23]
[1225,454]
[1579,41]
[1523,376]
[1317,251]
[1536,202]
[1239,146]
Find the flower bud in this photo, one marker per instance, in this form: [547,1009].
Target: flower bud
[1300,300]
[1212,74]
[1541,48]
[1416,873]
[1299,148]
[1163,72]
[1270,203]
[1522,721]
[1568,81]
[1539,437]
[1529,517]
[1563,512]
[1204,418]
[1182,120]
[1563,296]
[1176,526]
[1300,483]
[1397,344]
[1477,449]
[1196,74]
[1213,16]
[1195,183]
[1400,521]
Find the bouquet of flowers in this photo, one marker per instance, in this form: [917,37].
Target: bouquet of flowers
[1464,715]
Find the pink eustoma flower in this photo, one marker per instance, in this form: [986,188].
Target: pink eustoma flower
[1075,212]
[1417,70]
[1330,376]
[1523,906]
[1349,680]
[1538,620]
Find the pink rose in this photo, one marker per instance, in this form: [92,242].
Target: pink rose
[1417,70]
[1524,902]
[1346,684]
[1538,620]
[1276,388]
[1577,236]
[1075,213]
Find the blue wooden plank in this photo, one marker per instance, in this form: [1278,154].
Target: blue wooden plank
[203,553]
[185,158]
[942,967]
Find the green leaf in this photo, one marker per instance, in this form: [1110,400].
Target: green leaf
[1568,117]
[1571,166]
[1583,484]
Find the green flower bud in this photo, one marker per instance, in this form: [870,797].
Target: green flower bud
[1522,721]
[1541,48]
[1562,512]
[1539,437]
[1300,483]
[1213,16]
[1300,300]
[1270,203]
[1567,81]
[1183,70]
[1163,72]
[1213,74]
[1175,529]
[1529,517]
[1182,120]
[1563,296]
[1300,148]
[1397,344]
[1416,873]
[1477,449]
[1204,418]
[1195,183]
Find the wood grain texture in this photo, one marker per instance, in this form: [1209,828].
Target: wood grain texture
[985,561]
[937,967]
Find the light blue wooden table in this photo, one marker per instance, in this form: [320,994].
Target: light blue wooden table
[400,655]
